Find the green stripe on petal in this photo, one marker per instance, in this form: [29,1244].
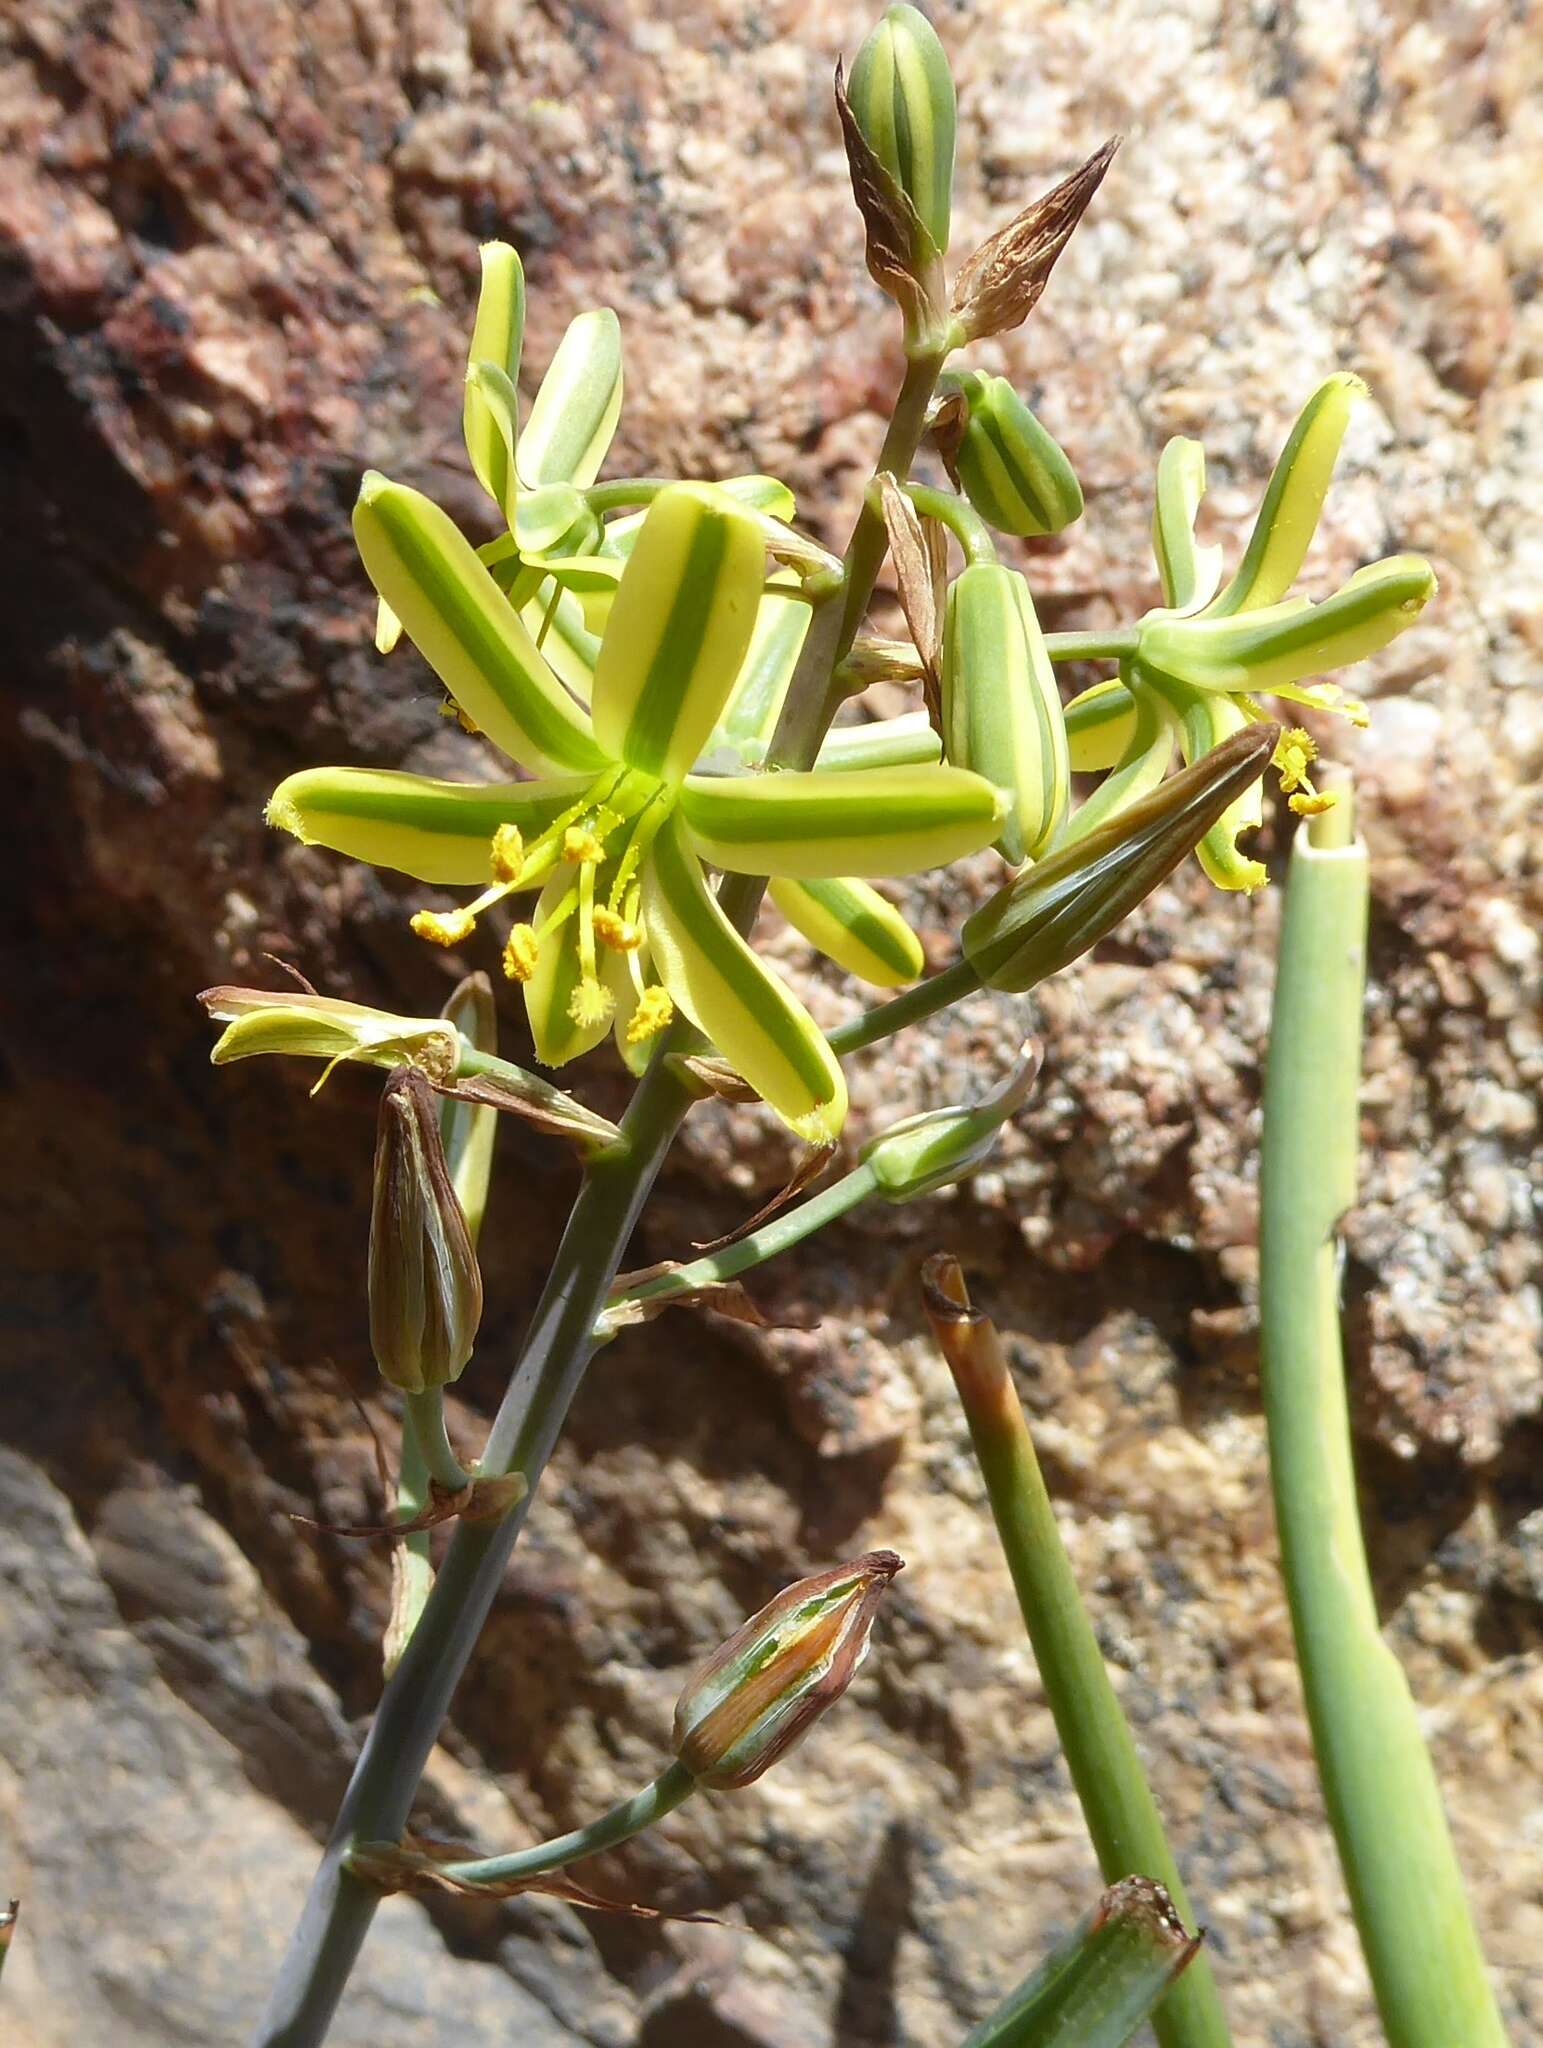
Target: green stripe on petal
[550,991]
[1293,500]
[566,643]
[755,704]
[1100,725]
[853,925]
[496,338]
[679,628]
[1001,708]
[880,821]
[766,494]
[908,741]
[435,831]
[1205,720]
[1189,573]
[727,992]
[1140,768]
[577,407]
[499,405]
[465,629]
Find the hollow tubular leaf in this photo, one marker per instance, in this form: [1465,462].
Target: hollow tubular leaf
[724,988]
[679,627]
[853,925]
[462,624]
[577,407]
[878,821]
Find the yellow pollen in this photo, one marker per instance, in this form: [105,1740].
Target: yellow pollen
[582,846]
[652,1014]
[444,928]
[508,853]
[1356,713]
[450,709]
[1293,751]
[613,930]
[591,1003]
[520,952]
[1312,803]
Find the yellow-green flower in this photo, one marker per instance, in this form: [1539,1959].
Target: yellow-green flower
[612,835]
[1203,656]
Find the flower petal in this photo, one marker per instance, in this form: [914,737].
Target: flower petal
[464,627]
[435,831]
[549,992]
[1140,768]
[1189,574]
[679,628]
[496,338]
[855,926]
[1099,727]
[1293,500]
[906,741]
[760,1028]
[765,494]
[499,407]
[577,407]
[880,821]
[563,638]
[1206,719]
[755,704]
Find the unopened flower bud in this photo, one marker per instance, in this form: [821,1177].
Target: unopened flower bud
[923,1153]
[768,1685]
[424,1284]
[1011,469]
[902,94]
[1002,712]
[1052,914]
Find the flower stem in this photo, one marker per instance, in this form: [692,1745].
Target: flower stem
[425,1414]
[961,519]
[780,1234]
[952,985]
[1117,1803]
[1114,645]
[673,1786]
[337,1914]
[624,491]
[1384,1804]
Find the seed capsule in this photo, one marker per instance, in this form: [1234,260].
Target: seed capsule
[1012,470]
[768,1685]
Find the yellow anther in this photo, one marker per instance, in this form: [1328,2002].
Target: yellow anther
[1293,752]
[652,1014]
[613,930]
[1312,803]
[582,846]
[590,1003]
[1356,713]
[450,709]
[521,950]
[508,853]
[444,928]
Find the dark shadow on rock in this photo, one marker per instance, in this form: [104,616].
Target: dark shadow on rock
[867,2015]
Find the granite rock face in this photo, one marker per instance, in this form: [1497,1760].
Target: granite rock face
[237,254]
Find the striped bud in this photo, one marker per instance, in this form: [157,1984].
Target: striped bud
[901,93]
[921,1154]
[425,1287]
[1052,914]
[768,1685]
[1010,468]
[1001,709]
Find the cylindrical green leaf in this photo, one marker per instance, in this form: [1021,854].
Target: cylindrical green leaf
[496,339]
[1001,708]
[901,93]
[679,627]
[1013,470]
[1189,573]
[435,831]
[577,407]
[728,992]
[1051,914]
[462,624]
[880,821]
[1293,500]
[853,925]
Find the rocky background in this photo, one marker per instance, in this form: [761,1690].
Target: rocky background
[237,253]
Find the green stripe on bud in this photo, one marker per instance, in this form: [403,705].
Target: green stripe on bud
[764,1690]
[1293,499]
[1012,469]
[923,1153]
[425,1288]
[679,627]
[496,340]
[462,624]
[901,92]
[1001,708]
[1051,914]
[853,925]
[1276,647]
[577,407]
